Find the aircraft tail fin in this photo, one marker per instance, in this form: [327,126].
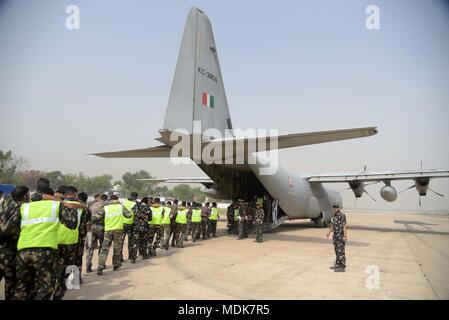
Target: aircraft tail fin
[197,92]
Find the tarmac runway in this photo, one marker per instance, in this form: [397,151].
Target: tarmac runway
[389,256]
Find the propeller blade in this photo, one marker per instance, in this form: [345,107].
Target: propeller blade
[371,183]
[412,186]
[437,193]
[345,189]
[370,195]
[420,201]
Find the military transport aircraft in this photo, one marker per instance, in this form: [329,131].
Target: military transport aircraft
[198,95]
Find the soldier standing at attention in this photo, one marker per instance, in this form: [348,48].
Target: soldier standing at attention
[38,244]
[97,229]
[113,212]
[128,223]
[338,228]
[154,237]
[205,213]
[10,216]
[166,225]
[259,216]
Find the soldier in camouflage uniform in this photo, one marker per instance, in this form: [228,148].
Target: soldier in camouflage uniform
[97,230]
[242,222]
[68,254]
[338,228]
[230,218]
[36,266]
[140,230]
[205,213]
[155,233]
[128,227]
[111,237]
[173,213]
[189,222]
[10,214]
[259,216]
[83,228]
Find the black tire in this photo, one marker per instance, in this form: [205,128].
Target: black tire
[319,222]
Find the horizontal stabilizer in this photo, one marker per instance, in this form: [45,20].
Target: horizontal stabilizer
[153,152]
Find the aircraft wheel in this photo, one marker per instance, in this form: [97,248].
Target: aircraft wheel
[319,222]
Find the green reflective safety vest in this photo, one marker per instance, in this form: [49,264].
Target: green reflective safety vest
[129,205]
[196,215]
[259,201]
[113,217]
[213,214]
[39,225]
[236,214]
[66,235]
[166,218]
[157,215]
[181,216]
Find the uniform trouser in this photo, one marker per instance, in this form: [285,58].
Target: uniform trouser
[340,259]
[8,271]
[79,257]
[189,229]
[230,226]
[67,256]
[180,233]
[172,233]
[242,229]
[166,230]
[196,230]
[140,242]
[96,239]
[127,231]
[236,227]
[204,223]
[154,237]
[35,273]
[259,234]
[111,237]
[212,227]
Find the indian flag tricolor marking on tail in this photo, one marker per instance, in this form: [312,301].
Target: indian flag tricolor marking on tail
[208,100]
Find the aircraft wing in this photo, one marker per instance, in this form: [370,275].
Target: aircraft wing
[379,176]
[152,152]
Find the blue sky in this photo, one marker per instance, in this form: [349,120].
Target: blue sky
[293,65]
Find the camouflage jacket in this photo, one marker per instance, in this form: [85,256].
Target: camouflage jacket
[259,216]
[142,216]
[205,213]
[94,207]
[338,222]
[84,221]
[173,212]
[9,223]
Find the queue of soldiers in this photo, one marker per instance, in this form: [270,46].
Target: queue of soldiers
[44,235]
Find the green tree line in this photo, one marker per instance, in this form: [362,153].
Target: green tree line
[13,170]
